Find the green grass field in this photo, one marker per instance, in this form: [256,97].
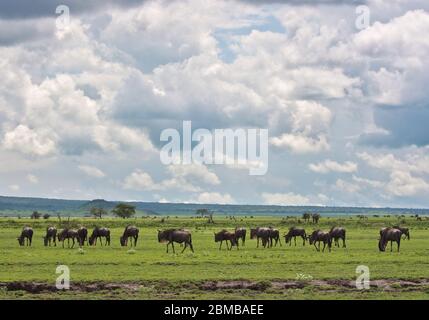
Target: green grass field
[148,272]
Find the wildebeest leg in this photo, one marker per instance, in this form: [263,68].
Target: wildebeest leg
[344,242]
[101,241]
[257,242]
[391,245]
[399,243]
[303,241]
[324,245]
[172,244]
[294,239]
[220,246]
[315,246]
[186,244]
[68,242]
[167,246]
[73,243]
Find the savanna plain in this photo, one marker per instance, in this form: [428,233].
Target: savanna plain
[280,272]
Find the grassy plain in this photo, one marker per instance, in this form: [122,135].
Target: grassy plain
[148,272]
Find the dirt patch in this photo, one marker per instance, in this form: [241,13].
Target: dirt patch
[260,286]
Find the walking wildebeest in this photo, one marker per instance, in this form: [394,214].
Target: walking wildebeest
[275,235]
[263,233]
[240,233]
[68,234]
[293,233]
[226,236]
[27,235]
[338,233]
[320,236]
[306,216]
[51,235]
[389,234]
[315,217]
[129,232]
[176,235]
[99,233]
[83,235]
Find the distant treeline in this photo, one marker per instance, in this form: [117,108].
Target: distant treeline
[12,206]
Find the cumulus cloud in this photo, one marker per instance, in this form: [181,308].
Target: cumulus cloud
[214,197]
[92,171]
[333,166]
[285,199]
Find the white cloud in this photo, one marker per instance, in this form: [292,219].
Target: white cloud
[403,184]
[286,199]
[345,186]
[32,178]
[300,143]
[214,197]
[333,166]
[28,141]
[92,171]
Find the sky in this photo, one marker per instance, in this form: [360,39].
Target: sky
[83,100]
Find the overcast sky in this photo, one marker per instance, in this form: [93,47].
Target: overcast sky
[82,107]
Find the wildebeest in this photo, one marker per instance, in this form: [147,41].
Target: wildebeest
[225,235]
[68,234]
[389,234]
[99,233]
[261,233]
[83,235]
[51,235]
[338,233]
[306,216]
[315,217]
[27,235]
[129,232]
[275,235]
[320,236]
[240,233]
[293,233]
[176,235]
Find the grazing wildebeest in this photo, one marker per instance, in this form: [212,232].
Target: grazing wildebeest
[389,234]
[293,233]
[225,235]
[51,235]
[176,235]
[83,235]
[338,233]
[68,234]
[315,217]
[99,233]
[129,232]
[306,216]
[320,236]
[27,235]
[404,231]
[274,235]
[240,233]
[261,233]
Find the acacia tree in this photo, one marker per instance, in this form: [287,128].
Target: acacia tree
[98,212]
[124,210]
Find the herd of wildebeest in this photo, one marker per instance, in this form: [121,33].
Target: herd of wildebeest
[268,236]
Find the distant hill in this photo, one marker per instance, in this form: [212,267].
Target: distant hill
[12,206]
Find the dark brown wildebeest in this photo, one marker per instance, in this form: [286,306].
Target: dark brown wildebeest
[176,235]
[83,235]
[225,235]
[51,235]
[26,236]
[320,236]
[306,216]
[293,233]
[275,235]
[261,233]
[68,234]
[315,217]
[129,232]
[99,233]
[404,231]
[389,234]
[240,233]
[338,233]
